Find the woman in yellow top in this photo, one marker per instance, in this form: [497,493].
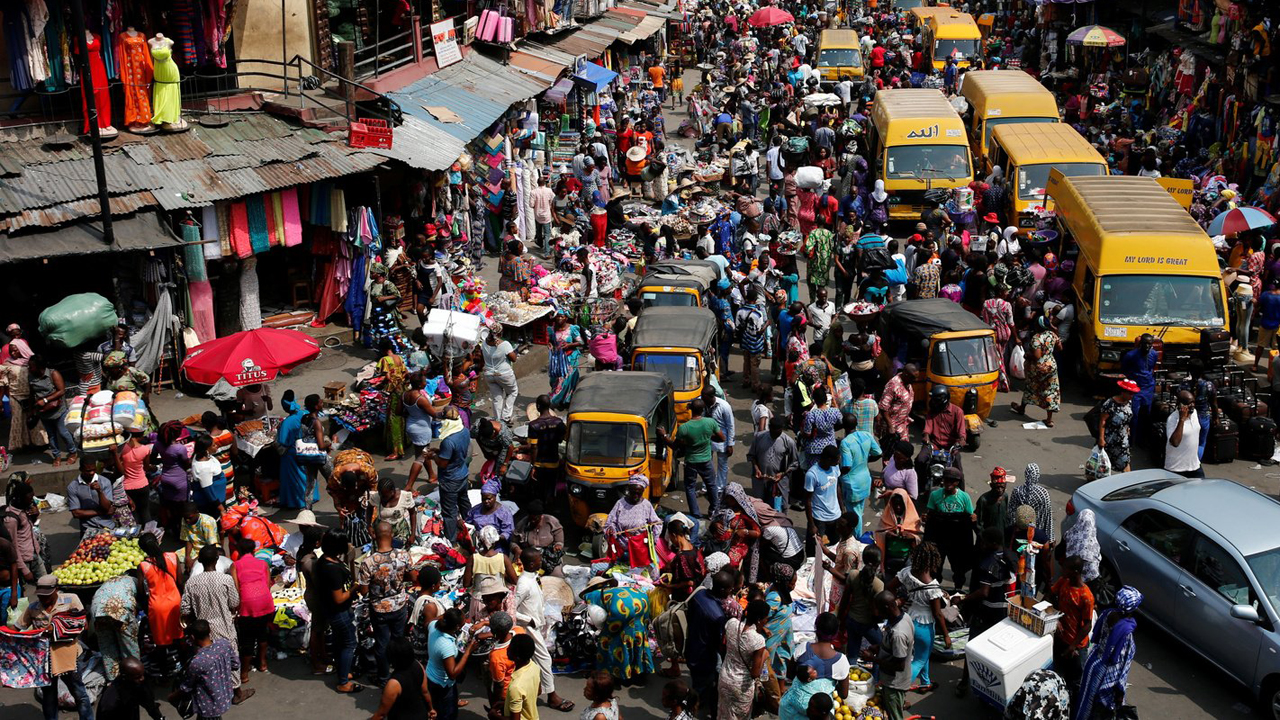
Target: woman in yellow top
[395,382]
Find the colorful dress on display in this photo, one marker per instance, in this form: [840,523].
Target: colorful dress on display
[623,645]
[101,91]
[166,98]
[135,75]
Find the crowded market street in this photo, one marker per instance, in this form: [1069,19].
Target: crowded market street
[710,359]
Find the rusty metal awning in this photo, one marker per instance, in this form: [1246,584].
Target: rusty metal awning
[143,231]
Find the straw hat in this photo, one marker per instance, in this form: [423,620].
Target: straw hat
[635,153]
[306,518]
[490,585]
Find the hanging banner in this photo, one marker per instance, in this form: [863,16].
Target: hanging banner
[445,37]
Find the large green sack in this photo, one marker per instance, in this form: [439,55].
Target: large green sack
[77,319]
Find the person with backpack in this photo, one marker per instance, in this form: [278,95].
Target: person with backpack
[701,620]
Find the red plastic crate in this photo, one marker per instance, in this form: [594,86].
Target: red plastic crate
[369,133]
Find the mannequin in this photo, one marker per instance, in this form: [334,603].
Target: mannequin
[101,91]
[166,94]
[134,61]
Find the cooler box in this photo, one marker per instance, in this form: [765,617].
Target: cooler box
[1001,658]
[458,329]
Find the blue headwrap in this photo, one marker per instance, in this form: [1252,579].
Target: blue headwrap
[1128,598]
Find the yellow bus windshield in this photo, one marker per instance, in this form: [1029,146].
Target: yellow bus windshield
[1032,179]
[930,162]
[1178,300]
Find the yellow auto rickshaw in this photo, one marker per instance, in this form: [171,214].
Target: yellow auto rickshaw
[678,283]
[612,433]
[952,348]
[679,343]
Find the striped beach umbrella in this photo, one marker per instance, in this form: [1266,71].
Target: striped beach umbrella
[1096,36]
[1241,219]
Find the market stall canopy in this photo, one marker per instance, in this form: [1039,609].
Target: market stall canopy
[1241,219]
[143,231]
[1095,36]
[559,91]
[596,76]
[250,357]
[770,16]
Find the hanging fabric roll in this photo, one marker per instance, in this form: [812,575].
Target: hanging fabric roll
[337,211]
[199,291]
[209,232]
[356,293]
[239,230]
[276,214]
[259,232]
[250,302]
[292,221]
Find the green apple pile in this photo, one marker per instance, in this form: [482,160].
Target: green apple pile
[98,559]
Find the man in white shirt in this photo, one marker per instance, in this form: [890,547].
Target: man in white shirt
[530,614]
[801,44]
[541,200]
[775,161]
[820,313]
[1181,449]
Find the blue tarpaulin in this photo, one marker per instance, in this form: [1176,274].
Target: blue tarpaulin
[597,76]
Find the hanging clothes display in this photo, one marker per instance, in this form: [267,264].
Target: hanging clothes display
[62,72]
[24,36]
[199,292]
[101,91]
[250,302]
[135,74]
[186,21]
[239,229]
[357,293]
[211,234]
[166,97]
[214,23]
[292,218]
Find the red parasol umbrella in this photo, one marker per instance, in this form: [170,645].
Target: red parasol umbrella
[250,357]
[770,16]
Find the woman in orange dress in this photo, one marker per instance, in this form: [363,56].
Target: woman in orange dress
[164,578]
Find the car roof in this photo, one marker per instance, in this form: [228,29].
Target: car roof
[1242,516]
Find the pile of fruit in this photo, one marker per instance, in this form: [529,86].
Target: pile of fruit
[841,710]
[98,559]
[859,674]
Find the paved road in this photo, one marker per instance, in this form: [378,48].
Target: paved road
[1166,681]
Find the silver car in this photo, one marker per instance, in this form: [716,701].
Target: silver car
[1206,556]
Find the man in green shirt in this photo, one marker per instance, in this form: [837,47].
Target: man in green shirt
[694,437]
[950,523]
[993,505]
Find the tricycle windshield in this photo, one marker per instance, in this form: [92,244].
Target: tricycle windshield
[964,356]
[607,444]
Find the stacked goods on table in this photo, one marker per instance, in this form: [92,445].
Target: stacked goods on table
[104,419]
[99,558]
[254,435]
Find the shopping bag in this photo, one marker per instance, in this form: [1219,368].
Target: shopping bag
[1017,362]
[1098,465]
[844,395]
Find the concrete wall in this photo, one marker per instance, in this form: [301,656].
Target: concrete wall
[256,34]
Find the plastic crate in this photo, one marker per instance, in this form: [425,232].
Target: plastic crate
[1021,612]
[369,133]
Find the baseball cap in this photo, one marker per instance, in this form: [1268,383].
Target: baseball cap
[46,585]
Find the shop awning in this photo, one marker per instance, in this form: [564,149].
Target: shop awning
[143,231]
[670,11]
[538,67]
[559,91]
[646,28]
[596,76]
[421,145]
[465,98]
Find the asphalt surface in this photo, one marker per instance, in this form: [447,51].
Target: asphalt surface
[1167,680]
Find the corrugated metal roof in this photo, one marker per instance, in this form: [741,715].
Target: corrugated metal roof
[253,153]
[89,207]
[539,67]
[478,90]
[647,27]
[144,231]
[421,145]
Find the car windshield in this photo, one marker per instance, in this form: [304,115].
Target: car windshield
[840,57]
[681,370]
[667,299]
[928,162]
[994,122]
[605,444]
[1033,178]
[1177,300]
[964,356]
[1266,568]
[961,49]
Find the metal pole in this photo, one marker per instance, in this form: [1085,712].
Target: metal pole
[91,117]
[284,57]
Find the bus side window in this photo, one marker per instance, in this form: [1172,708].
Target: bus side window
[1088,287]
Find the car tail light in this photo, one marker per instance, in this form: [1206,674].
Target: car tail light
[1071,507]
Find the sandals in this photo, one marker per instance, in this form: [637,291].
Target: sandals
[355,688]
[564,706]
[1018,409]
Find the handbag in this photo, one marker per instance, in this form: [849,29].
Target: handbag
[68,625]
[309,452]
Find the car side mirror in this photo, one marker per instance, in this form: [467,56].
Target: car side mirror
[1245,612]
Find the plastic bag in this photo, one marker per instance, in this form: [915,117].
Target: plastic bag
[844,394]
[809,177]
[1017,362]
[1098,465]
[77,319]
